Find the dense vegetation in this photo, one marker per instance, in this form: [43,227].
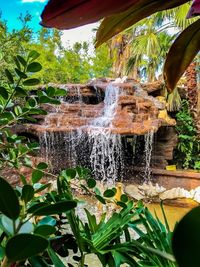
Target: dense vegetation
[39,225]
[36,223]
[60,64]
[187,152]
[42,225]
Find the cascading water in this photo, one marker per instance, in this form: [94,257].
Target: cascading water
[106,154]
[92,144]
[148,138]
[110,104]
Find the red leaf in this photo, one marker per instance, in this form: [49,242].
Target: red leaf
[116,23]
[181,54]
[195,9]
[66,14]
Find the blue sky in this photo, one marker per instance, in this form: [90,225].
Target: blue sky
[11,10]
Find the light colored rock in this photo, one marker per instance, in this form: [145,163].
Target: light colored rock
[150,190]
[195,194]
[133,191]
[175,193]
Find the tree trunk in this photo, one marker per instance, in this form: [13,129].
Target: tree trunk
[193,94]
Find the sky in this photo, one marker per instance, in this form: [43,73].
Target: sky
[11,10]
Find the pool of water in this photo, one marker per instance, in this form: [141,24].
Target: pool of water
[173,214]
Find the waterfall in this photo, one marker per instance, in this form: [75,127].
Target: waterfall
[148,138]
[106,153]
[93,144]
[110,104]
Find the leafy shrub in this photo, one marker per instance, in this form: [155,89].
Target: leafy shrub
[187,153]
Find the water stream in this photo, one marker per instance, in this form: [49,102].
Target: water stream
[106,153]
[148,139]
[93,143]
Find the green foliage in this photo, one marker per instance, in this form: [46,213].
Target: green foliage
[153,233]
[61,64]
[35,224]
[185,243]
[187,153]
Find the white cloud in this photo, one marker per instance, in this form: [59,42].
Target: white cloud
[33,1]
[79,34]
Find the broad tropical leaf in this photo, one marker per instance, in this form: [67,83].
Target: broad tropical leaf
[63,14]
[23,246]
[186,239]
[116,23]
[9,203]
[181,54]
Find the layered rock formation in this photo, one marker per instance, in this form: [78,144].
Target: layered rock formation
[89,119]
[137,113]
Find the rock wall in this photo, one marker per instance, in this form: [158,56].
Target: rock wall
[137,113]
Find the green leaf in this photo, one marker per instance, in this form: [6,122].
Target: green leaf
[38,261]
[26,228]
[17,110]
[21,60]
[21,74]
[32,102]
[70,173]
[17,63]
[42,166]
[45,99]
[31,82]
[57,208]
[109,193]
[33,55]
[25,246]
[60,92]
[118,22]
[37,206]
[91,183]
[45,230]
[23,179]
[186,239]
[37,111]
[3,92]
[27,193]
[55,259]
[121,204]
[7,224]
[42,187]
[50,91]
[2,253]
[34,67]
[181,54]
[20,92]
[9,76]
[124,198]
[7,115]
[36,176]
[101,199]
[9,203]
[92,221]
[47,221]
[33,145]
